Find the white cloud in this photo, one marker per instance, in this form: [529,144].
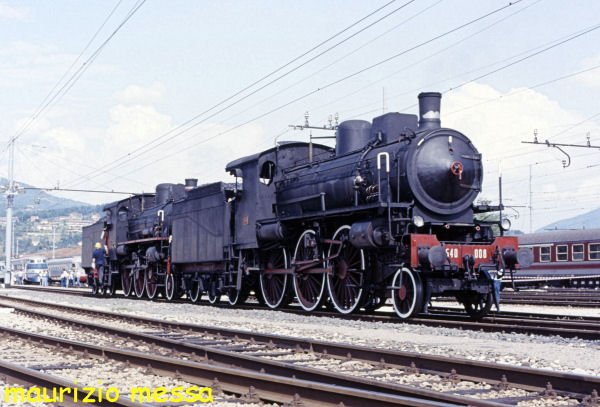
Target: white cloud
[134,94]
[497,129]
[200,153]
[8,12]
[132,127]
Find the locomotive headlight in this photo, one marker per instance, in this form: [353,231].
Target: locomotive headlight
[418,221]
[505,224]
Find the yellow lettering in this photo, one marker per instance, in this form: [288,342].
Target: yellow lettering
[37,398]
[112,394]
[18,395]
[88,397]
[159,395]
[192,394]
[177,394]
[143,393]
[64,390]
[205,395]
[46,398]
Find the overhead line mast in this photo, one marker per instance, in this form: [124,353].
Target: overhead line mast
[10,190]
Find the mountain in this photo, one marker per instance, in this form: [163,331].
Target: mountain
[589,220]
[36,200]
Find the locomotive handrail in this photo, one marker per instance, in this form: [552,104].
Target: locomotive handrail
[148,239]
[387,161]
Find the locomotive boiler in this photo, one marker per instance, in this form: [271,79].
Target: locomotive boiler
[389,213]
[395,159]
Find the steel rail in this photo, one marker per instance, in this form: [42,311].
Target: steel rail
[496,322]
[26,376]
[212,354]
[533,379]
[264,386]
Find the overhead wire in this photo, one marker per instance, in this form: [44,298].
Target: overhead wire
[68,85]
[76,75]
[529,53]
[420,61]
[43,105]
[59,163]
[335,82]
[338,60]
[49,101]
[192,123]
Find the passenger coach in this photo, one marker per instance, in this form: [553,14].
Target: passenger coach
[563,258]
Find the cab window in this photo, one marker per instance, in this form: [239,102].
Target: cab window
[267,172]
[122,214]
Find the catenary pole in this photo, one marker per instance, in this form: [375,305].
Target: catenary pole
[10,196]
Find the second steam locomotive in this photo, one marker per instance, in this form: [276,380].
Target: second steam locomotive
[388,213]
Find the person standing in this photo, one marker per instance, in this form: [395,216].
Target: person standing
[98,257]
[64,277]
[44,278]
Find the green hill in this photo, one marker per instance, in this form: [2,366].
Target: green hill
[34,201]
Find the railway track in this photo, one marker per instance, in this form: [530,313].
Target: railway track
[554,297]
[291,357]
[131,370]
[544,325]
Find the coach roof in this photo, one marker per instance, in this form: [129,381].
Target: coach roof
[560,236]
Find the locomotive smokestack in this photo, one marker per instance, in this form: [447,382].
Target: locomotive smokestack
[429,110]
[191,183]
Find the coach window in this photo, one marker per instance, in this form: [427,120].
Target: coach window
[544,253]
[562,253]
[267,172]
[577,252]
[594,249]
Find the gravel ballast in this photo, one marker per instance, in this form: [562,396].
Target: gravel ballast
[554,353]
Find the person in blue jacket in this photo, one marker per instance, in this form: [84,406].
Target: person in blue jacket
[98,261]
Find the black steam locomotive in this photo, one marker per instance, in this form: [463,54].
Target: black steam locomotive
[388,213]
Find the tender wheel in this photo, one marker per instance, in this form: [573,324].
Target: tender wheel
[214,292]
[345,283]
[109,290]
[407,293]
[309,287]
[235,297]
[139,283]
[170,287]
[195,292]
[274,288]
[214,298]
[151,282]
[95,286]
[126,282]
[478,305]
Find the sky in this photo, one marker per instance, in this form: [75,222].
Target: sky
[122,95]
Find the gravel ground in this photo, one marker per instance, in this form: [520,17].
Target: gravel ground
[97,373]
[554,353]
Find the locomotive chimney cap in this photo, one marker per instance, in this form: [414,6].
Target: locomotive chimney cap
[429,110]
[191,183]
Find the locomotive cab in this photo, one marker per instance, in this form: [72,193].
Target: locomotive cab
[260,174]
